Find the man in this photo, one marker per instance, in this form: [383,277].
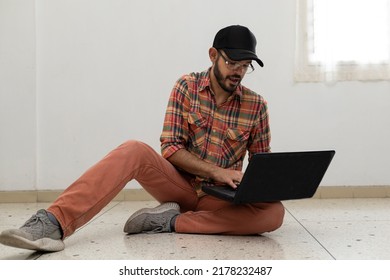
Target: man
[210,123]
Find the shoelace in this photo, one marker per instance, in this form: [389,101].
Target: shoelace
[35,220]
[157,227]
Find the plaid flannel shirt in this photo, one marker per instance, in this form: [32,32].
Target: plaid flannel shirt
[220,135]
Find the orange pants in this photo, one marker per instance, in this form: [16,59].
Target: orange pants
[82,200]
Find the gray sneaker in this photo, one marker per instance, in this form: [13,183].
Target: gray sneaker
[152,220]
[38,234]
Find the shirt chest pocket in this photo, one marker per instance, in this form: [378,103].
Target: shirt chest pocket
[234,145]
[197,129]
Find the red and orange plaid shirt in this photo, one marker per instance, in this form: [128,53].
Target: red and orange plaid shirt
[220,135]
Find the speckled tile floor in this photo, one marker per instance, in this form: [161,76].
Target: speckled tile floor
[314,229]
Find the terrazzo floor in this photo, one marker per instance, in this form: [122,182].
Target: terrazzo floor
[314,229]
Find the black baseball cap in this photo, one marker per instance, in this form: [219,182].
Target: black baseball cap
[238,42]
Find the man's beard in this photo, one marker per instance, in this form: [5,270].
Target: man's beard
[221,80]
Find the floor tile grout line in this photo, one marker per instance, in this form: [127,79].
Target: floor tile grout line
[100,214]
[333,257]
[35,255]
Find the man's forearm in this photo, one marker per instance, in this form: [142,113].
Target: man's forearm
[190,163]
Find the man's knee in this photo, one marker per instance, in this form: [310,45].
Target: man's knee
[134,148]
[277,211]
[134,151]
[272,216]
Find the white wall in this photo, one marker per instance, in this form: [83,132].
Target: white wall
[79,77]
[17,95]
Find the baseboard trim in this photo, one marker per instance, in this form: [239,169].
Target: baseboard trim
[50,196]
[142,195]
[353,192]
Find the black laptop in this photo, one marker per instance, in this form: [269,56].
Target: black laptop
[276,177]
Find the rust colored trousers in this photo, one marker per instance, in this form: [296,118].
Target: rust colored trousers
[83,199]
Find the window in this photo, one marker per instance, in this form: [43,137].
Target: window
[341,40]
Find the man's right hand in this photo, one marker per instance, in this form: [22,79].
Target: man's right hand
[190,163]
[227,176]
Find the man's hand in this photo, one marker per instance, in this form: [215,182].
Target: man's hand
[227,176]
[190,163]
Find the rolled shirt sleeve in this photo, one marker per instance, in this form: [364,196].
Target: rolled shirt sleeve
[261,134]
[175,129]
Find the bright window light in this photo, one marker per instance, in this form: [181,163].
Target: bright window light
[350,31]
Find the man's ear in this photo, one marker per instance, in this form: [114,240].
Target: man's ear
[213,54]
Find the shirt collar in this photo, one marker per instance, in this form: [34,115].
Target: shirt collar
[205,82]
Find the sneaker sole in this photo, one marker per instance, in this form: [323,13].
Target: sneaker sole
[44,244]
[156,210]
